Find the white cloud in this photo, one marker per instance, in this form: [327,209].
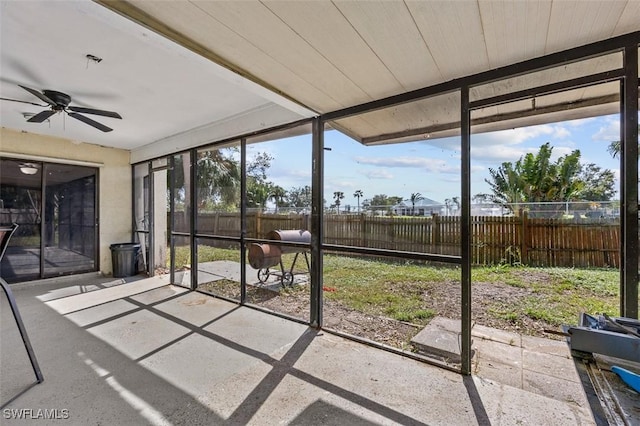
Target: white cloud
[560,132]
[520,135]
[505,145]
[427,164]
[579,122]
[610,131]
[299,173]
[454,179]
[378,174]
[333,185]
[559,151]
[498,155]
[493,155]
[508,137]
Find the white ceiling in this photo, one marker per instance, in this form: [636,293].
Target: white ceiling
[335,54]
[325,55]
[160,88]
[330,55]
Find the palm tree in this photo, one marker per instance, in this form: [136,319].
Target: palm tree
[218,177]
[415,197]
[456,201]
[535,179]
[337,196]
[358,194]
[615,147]
[278,194]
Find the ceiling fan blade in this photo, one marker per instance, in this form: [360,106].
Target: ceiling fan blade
[38,95]
[41,116]
[23,102]
[90,122]
[94,111]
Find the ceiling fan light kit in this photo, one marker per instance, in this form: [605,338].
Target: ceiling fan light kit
[59,102]
[28,168]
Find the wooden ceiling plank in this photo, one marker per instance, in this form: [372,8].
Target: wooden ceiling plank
[261,28]
[454,35]
[514,31]
[576,23]
[394,39]
[629,19]
[335,39]
[189,20]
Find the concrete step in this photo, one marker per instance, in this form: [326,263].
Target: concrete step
[440,339]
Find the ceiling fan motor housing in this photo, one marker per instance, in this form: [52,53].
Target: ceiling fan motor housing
[62,100]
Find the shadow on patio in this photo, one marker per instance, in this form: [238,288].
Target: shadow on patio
[115,352]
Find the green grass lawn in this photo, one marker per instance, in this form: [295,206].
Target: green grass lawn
[555,295]
[406,291]
[379,288]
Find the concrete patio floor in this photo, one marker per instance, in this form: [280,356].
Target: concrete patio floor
[145,352]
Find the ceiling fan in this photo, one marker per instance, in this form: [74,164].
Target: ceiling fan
[57,102]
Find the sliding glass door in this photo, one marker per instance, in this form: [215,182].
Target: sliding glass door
[55,206]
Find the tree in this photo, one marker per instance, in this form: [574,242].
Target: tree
[337,196]
[358,194]
[383,200]
[456,201]
[415,197]
[258,188]
[393,200]
[599,185]
[258,166]
[447,205]
[615,147]
[278,195]
[258,193]
[535,179]
[218,178]
[300,197]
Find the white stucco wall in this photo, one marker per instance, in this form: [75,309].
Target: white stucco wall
[114,180]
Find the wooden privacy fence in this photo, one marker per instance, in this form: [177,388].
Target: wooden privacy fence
[495,240]
[545,242]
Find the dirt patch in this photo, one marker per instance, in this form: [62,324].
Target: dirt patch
[490,306]
[489,302]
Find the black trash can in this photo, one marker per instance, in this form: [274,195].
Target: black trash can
[124,259]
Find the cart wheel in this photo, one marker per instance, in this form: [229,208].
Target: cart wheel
[287,279]
[263,275]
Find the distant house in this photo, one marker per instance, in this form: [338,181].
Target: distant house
[424,207]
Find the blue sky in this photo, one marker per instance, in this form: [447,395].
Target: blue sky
[431,167]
